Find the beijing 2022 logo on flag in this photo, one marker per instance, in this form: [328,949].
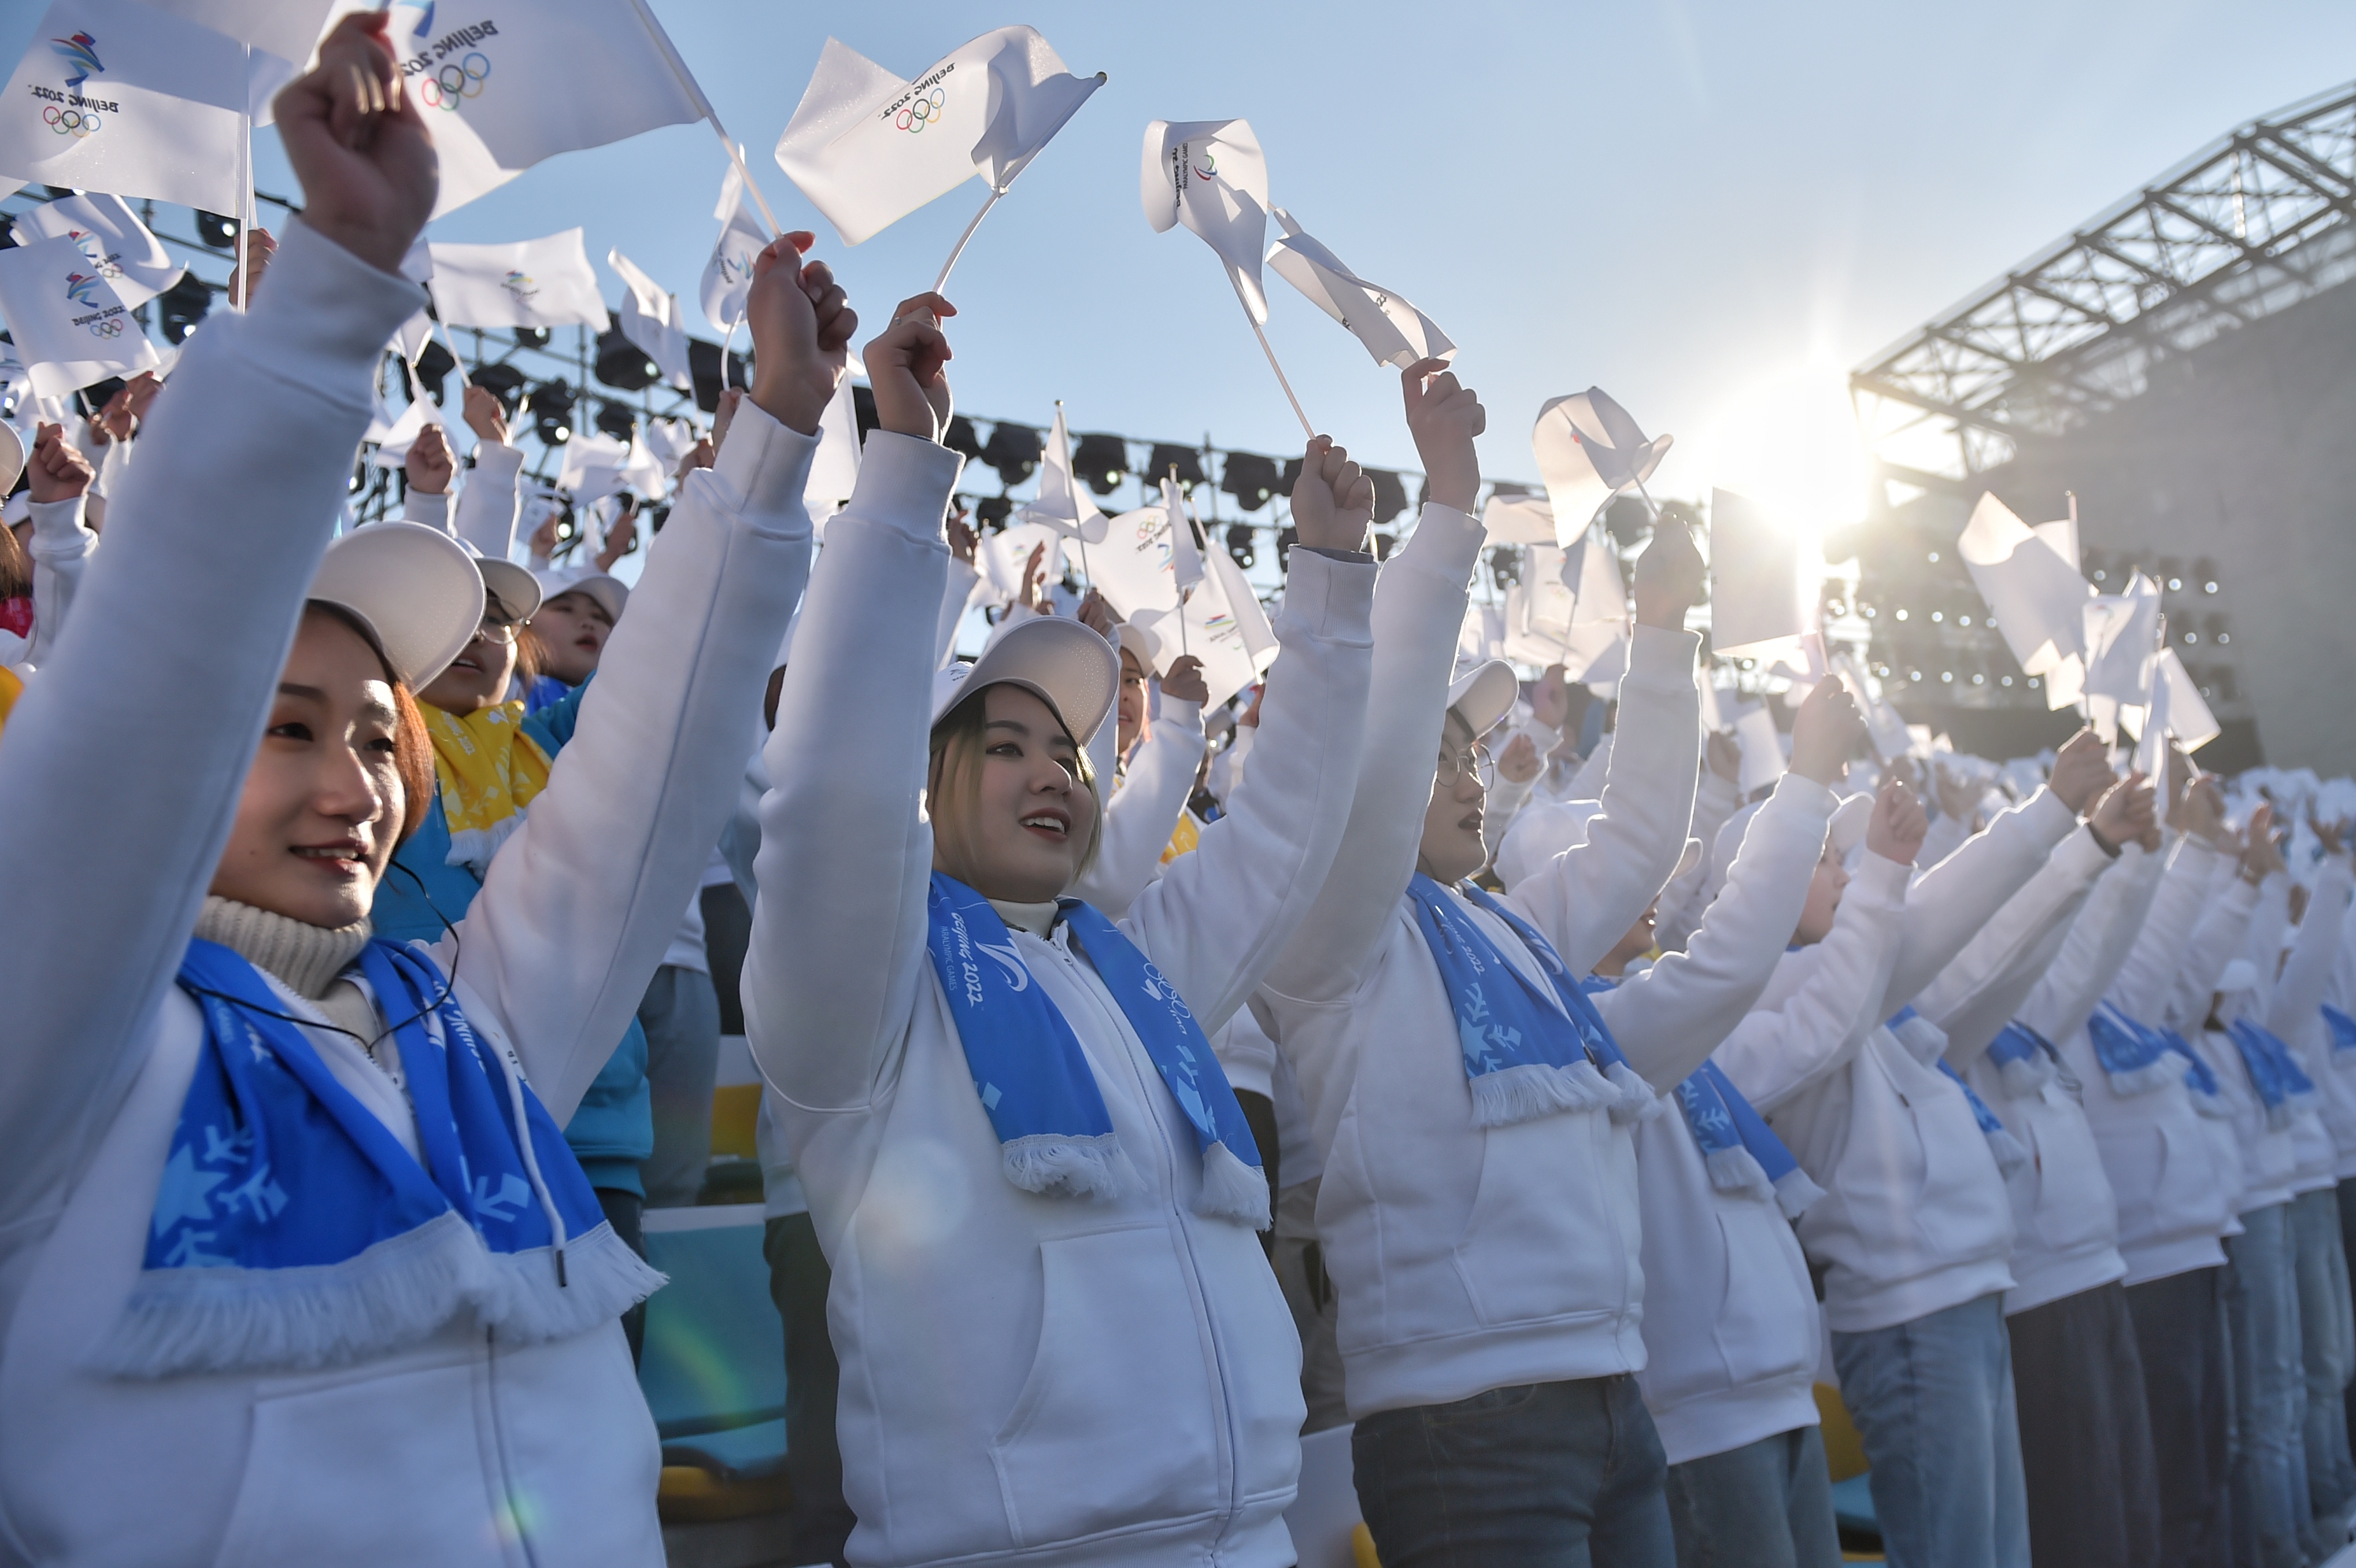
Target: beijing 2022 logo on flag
[83,289]
[519,288]
[66,110]
[449,70]
[925,103]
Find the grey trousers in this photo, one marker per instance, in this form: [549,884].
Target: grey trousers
[2328,1352]
[1767,1504]
[2187,1382]
[2085,1431]
[680,1014]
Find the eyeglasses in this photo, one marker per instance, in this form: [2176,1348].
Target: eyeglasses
[1473,759]
[501,631]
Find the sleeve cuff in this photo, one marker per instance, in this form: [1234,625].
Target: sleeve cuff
[1660,659]
[764,462]
[430,508]
[497,462]
[2053,820]
[1181,713]
[1329,599]
[58,528]
[326,314]
[1451,538]
[1881,880]
[904,483]
[1797,795]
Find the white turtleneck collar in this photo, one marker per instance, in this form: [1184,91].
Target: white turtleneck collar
[308,957]
[1036,918]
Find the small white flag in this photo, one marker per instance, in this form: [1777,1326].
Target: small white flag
[120,248]
[868,147]
[2186,714]
[115,96]
[69,327]
[1225,627]
[1132,567]
[1760,600]
[1210,175]
[650,319]
[728,275]
[506,86]
[1185,555]
[834,466]
[1518,520]
[1002,557]
[1392,330]
[1762,748]
[526,283]
[1063,503]
[2036,597]
[394,440]
[1589,450]
[2120,639]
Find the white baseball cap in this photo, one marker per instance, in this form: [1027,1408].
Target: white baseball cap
[611,593]
[12,457]
[1846,830]
[416,588]
[515,588]
[1483,693]
[1063,663]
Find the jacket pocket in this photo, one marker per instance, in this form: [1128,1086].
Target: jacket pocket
[1767,1320]
[1553,1228]
[1114,1424]
[380,1470]
[2074,1208]
[2188,1194]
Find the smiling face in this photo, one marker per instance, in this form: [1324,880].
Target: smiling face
[324,801]
[478,677]
[572,629]
[1823,900]
[1014,814]
[1451,848]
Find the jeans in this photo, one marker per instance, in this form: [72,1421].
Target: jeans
[2268,1483]
[2085,1431]
[1543,1474]
[2180,1323]
[1932,1400]
[799,1280]
[1767,1504]
[680,1014]
[2327,1351]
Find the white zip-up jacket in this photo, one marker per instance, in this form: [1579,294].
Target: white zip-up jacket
[1140,816]
[417,1456]
[1026,1379]
[2065,1221]
[2296,1011]
[1731,1332]
[1468,1258]
[1914,1219]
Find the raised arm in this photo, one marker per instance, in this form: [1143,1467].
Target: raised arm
[59,480]
[838,943]
[492,500]
[230,508]
[1982,987]
[1419,608]
[2141,989]
[2222,933]
[577,907]
[2097,946]
[1137,822]
[2299,994]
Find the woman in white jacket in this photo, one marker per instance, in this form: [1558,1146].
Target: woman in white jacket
[1059,1339]
[241,1256]
[1477,1206]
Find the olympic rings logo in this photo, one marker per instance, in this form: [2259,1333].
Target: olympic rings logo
[922,112]
[71,122]
[460,79]
[110,328]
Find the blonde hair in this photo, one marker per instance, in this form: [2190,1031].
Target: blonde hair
[953,783]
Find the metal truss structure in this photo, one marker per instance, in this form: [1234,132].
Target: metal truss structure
[2252,224]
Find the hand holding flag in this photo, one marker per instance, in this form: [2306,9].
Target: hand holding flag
[907,368]
[802,323]
[1589,450]
[1332,499]
[358,144]
[1444,417]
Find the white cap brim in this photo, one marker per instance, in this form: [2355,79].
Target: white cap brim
[517,590]
[1063,663]
[12,458]
[416,588]
[612,594]
[1483,695]
[1850,821]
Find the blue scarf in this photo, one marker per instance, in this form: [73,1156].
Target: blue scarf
[2200,1078]
[2343,1032]
[2274,1073]
[1925,1041]
[2135,1059]
[1054,1135]
[2024,1059]
[291,1229]
[1527,1052]
[1741,1152]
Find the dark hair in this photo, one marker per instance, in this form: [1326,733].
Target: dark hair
[531,655]
[16,566]
[958,744]
[413,748]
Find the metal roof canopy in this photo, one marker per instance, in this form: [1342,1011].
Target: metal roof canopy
[2250,225]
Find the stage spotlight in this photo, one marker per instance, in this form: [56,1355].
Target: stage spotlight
[434,366]
[618,420]
[503,382]
[622,364]
[552,411]
[1186,459]
[962,438]
[184,305]
[1102,461]
[216,230]
[1014,450]
[1390,494]
[991,513]
[531,337]
[1250,479]
[1240,546]
[1504,565]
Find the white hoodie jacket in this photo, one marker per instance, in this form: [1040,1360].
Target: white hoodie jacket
[1468,1258]
[418,1456]
[1915,1219]
[1025,1377]
[2296,1012]
[1731,1331]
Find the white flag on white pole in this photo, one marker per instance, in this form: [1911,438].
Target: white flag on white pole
[834,466]
[650,319]
[1063,503]
[728,275]
[2187,715]
[287,30]
[119,246]
[1518,520]
[1760,600]
[394,440]
[545,282]
[2120,635]
[1132,567]
[2036,597]
[1225,628]
[1589,450]
[869,147]
[1392,330]
[1210,175]
[69,327]
[1185,555]
[1002,557]
[511,84]
[114,96]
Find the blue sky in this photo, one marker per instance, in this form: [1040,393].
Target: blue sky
[1713,210]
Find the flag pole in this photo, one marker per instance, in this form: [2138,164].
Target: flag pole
[451,342]
[1177,522]
[1307,428]
[942,282]
[710,116]
[238,291]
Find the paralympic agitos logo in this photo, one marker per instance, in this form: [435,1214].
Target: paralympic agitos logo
[66,110]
